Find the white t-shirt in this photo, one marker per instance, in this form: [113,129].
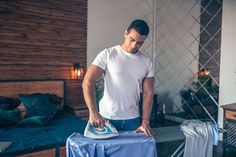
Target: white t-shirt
[123,76]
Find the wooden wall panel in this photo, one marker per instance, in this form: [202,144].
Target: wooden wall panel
[74,95]
[42,39]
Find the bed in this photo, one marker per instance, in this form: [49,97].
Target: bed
[48,140]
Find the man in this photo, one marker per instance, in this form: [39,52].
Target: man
[127,72]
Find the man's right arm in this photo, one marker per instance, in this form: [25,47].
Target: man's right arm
[93,73]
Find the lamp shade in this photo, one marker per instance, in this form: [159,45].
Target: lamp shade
[77,71]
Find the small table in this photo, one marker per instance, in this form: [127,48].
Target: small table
[229,138]
[127,144]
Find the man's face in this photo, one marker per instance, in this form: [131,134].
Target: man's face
[133,41]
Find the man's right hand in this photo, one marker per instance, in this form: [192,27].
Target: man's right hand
[96,119]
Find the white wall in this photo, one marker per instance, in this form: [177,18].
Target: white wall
[177,50]
[108,19]
[227,93]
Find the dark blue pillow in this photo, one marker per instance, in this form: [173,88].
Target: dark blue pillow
[4,106]
[38,105]
[9,117]
[8,103]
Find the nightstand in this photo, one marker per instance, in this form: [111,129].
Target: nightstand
[80,110]
[229,138]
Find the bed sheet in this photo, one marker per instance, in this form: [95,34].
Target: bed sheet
[54,134]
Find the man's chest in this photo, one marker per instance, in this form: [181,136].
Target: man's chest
[134,67]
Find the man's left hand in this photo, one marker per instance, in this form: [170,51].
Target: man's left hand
[146,129]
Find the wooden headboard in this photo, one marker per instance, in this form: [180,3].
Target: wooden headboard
[13,88]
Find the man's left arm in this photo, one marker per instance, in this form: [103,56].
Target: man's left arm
[148,88]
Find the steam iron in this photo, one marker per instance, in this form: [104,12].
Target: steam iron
[108,131]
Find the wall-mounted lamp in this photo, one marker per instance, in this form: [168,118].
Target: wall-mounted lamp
[204,72]
[205,78]
[77,71]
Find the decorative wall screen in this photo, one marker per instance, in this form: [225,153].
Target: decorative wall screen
[186,54]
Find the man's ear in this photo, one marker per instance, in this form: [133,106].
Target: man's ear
[126,33]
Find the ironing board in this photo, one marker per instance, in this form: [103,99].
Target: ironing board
[170,134]
[125,145]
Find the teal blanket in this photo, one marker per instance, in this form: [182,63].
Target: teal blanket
[53,135]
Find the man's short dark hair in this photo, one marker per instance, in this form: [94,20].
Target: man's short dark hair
[140,26]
